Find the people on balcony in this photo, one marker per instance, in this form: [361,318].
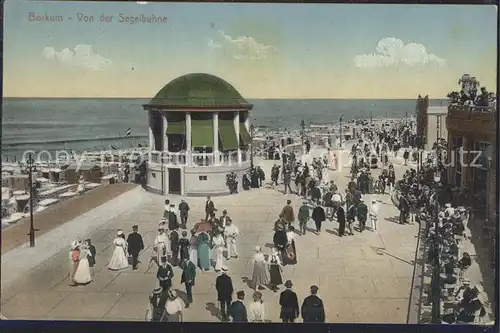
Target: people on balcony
[468,94]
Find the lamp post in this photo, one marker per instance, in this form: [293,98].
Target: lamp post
[302,129]
[252,129]
[340,134]
[436,283]
[30,163]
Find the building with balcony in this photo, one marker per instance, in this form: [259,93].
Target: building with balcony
[471,143]
[199,131]
[431,123]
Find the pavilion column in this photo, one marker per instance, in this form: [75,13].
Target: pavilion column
[215,117]
[164,134]
[237,130]
[151,133]
[189,159]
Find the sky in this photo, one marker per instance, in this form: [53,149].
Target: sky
[263,50]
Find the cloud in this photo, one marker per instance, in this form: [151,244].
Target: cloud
[81,56]
[393,52]
[243,47]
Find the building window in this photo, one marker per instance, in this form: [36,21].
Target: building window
[202,178]
[480,155]
[480,173]
[458,175]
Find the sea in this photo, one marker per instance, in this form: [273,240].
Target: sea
[94,124]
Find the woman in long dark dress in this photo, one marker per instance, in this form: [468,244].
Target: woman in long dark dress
[280,239]
[184,244]
[275,270]
[341,220]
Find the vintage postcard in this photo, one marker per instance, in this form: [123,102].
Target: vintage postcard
[212,162]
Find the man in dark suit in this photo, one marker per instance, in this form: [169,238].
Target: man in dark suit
[224,286]
[404,209]
[287,213]
[362,212]
[183,211]
[135,245]
[238,311]
[341,220]
[91,258]
[289,304]
[165,274]
[209,208]
[188,278]
[318,216]
[312,309]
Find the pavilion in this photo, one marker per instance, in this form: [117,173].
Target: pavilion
[199,131]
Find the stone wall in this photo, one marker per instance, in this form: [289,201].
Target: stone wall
[202,181]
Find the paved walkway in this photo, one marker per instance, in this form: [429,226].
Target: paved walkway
[365,278]
[58,214]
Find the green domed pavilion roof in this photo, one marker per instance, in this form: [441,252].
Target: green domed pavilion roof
[198,90]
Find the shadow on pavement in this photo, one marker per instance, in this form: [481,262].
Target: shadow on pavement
[248,281]
[214,311]
[332,231]
[392,219]
[311,230]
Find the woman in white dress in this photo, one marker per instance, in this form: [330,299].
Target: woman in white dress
[83,274]
[81,185]
[218,251]
[256,309]
[119,260]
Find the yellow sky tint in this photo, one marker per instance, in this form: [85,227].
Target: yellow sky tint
[254,79]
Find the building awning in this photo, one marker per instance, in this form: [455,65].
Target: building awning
[245,137]
[202,133]
[176,127]
[227,135]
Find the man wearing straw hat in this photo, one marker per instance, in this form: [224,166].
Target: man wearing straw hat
[156,309]
[224,286]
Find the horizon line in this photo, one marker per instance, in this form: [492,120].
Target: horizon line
[249,98]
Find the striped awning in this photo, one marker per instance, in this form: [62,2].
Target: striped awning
[176,127]
[245,138]
[227,135]
[202,134]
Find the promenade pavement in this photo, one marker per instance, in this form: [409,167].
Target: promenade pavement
[365,278]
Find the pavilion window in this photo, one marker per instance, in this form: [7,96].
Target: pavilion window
[202,133]
[227,135]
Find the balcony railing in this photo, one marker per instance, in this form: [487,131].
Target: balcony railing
[198,159]
[472,108]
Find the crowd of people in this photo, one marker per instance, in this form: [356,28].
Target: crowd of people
[444,240]
[213,241]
